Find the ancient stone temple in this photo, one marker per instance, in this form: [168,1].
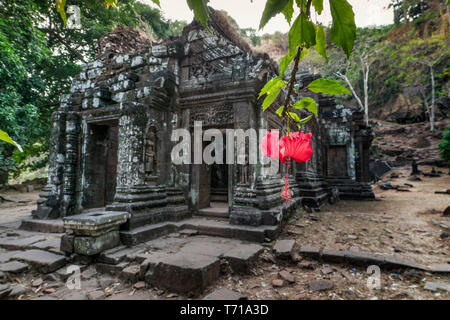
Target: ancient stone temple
[111,175]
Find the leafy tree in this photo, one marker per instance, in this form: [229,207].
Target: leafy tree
[24,58]
[39,57]
[445,145]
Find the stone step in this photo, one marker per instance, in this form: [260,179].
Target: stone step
[46,226]
[215,212]
[219,197]
[210,227]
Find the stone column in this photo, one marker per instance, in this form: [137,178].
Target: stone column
[73,122]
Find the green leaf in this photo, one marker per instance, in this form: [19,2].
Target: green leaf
[5,137]
[271,97]
[273,7]
[280,111]
[60,4]
[302,33]
[157,3]
[308,104]
[321,42]
[272,90]
[294,116]
[318,6]
[343,29]
[326,86]
[301,3]
[288,11]
[201,12]
[305,120]
[270,84]
[286,61]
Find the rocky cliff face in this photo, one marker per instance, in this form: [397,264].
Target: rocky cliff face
[401,144]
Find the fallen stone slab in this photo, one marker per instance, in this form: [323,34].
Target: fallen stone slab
[45,226]
[284,249]
[113,269]
[96,295]
[13,267]
[243,257]
[7,256]
[333,256]
[131,273]
[45,262]
[52,244]
[440,268]
[310,252]
[207,247]
[17,290]
[184,273]
[363,258]
[20,244]
[225,294]
[115,255]
[320,285]
[5,290]
[435,286]
[393,262]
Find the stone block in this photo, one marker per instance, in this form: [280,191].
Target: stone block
[184,273]
[13,267]
[5,290]
[333,256]
[131,273]
[225,294]
[284,249]
[20,244]
[90,245]
[243,257]
[95,223]
[310,252]
[440,268]
[67,241]
[44,261]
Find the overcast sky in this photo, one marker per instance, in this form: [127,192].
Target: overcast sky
[248,14]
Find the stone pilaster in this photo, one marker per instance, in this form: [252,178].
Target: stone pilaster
[73,121]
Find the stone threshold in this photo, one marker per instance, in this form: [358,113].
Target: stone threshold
[365,258]
[204,226]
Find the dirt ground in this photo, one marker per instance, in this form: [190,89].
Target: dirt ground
[18,206]
[400,224]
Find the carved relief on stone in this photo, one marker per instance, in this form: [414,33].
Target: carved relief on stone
[150,153]
[217,115]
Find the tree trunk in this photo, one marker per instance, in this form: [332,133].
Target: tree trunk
[344,77]
[366,70]
[433,99]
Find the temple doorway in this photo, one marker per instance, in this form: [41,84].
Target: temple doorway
[214,188]
[101,164]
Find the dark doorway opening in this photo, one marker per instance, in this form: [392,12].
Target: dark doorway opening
[101,164]
[337,161]
[214,188]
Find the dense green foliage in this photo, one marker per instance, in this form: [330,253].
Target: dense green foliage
[445,145]
[39,57]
